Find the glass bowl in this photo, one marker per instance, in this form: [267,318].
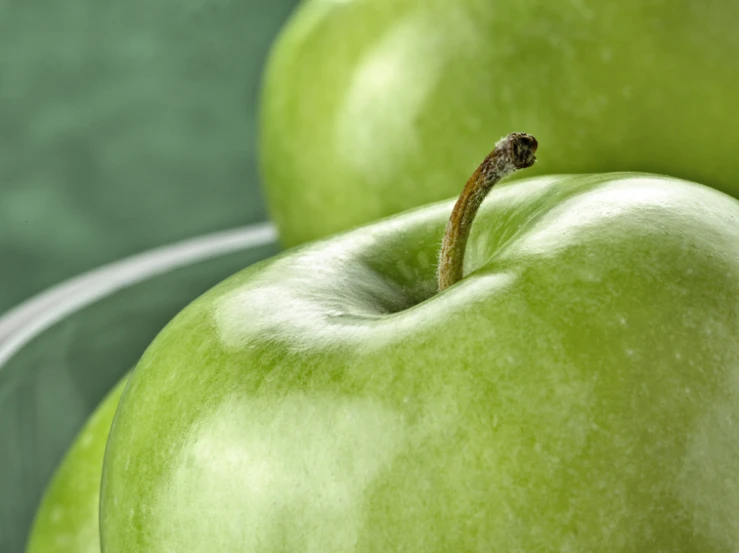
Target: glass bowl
[61,351]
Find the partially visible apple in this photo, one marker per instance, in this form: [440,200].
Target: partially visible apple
[67,520]
[577,390]
[373,107]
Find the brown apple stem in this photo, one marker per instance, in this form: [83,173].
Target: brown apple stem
[515,151]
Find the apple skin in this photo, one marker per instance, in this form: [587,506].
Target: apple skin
[577,390]
[372,108]
[68,519]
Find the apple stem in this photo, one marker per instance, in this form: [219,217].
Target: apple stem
[513,152]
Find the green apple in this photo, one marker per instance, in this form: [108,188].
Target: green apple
[577,390]
[67,520]
[370,108]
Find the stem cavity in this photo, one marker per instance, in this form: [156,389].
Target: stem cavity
[513,152]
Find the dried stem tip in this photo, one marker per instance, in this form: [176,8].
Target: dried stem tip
[515,151]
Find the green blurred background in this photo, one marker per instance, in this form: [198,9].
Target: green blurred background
[124,125]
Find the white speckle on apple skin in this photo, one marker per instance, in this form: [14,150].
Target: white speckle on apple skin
[57,513]
[86,440]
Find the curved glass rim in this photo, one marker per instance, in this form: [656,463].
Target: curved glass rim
[23,323]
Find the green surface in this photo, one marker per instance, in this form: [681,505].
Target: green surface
[373,107]
[68,521]
[577,391]
[124,125]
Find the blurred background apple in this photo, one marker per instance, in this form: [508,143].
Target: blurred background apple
[371,108]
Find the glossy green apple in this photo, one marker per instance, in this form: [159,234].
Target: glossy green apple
[577,390]
[373,107]
[68,521]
